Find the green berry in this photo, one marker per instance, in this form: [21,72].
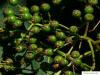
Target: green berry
[64,62]
[29,56]
[20,48]
[93,2]
[75,54]
[8,12]
[18,23]
[35,29]
[36,18]
[33,46]
[60,35]
[13,2]
[11,19]
[49,51]
[77,61]
[32,40]
[73,29]
[56,2]
[89,17]
[52,38]
[9,61]
[39,49]
[46,28]
[76,13]
[68,73]
[54,24]
[59,44]
[26,16]
[45,7]
[89,9]
[35,8]
[23,9]
[58,59]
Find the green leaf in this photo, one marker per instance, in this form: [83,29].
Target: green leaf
[58,73]
[49,72]
[41,72]
[35,65]
[47,59]
[1,52]
[27,70]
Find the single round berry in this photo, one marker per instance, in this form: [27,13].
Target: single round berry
[54,24]
[26,16]
[59,44]
[49,51]
[89,9]
[76,13]
[35,9]
[33,46]
[23,9]
[35,29]
[20,48]
[89,17]
[18,41]
[29,56]
[18,23]
[32,40]
[52,38]
[45,7]
[11,19]
[75,54]
[73,29]
[46,28]
[77,61]
[64,62]
[68,73]
[39,49]
[8,12]
[36,18]
[13,2]
[8,61]
[56,2]
[93,2]
[58,59]
[60,35]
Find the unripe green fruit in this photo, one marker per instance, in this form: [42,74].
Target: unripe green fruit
[60,35]
[29,56]
[20,48]
[35,8]
[8,61]
[18,23]
[11,19]
[58,59]
[45,7]
[73,29]
[8,12]
[77,61]
[33,46]
[75,54]
[76,13]
[59,44]
[35,29]
[36,18]
[89,17]
[56,2]
[49,51]
[54,24]
[32,40]
[46,28]
[93,2]
[52,38]
[26,16]
[23,10]
[13,2]
[89,9]
[68,73]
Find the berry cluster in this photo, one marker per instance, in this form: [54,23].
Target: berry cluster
[32,37]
